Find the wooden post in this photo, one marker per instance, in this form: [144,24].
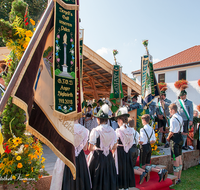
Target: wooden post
[195,140]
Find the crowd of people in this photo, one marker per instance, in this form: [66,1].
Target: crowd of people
[115,144]
[113,154]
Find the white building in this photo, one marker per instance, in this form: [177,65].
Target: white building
[183,65]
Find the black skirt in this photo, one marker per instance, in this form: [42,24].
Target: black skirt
[126,176]
[103,171]
[82,181]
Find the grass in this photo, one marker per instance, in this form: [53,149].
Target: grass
[190,179]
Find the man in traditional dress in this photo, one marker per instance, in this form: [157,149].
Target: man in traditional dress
[185,109]
[134,105]
[176,140]
[162,113]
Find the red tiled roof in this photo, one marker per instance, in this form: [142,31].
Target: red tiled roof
[190,55]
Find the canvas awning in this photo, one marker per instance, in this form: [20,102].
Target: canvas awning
[97,77]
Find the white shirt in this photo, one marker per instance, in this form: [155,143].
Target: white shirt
[137,135]
[143,137]
[95,134]
[174,123]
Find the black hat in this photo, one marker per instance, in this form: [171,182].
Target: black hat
[183,91]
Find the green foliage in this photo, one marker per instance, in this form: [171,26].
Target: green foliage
[18,9]
[57,71]
[139,120]
[72,74]
[9,9]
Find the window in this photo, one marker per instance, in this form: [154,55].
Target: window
[182,75]
[161,78]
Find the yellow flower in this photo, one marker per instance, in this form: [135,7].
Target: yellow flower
[18,158]
[27,175]
[29,33]
[31,169]
[25,180]
[25,45]
[13,177]
[156,134]
[27,39]
[17,141]
[43,160]
[43,166]
[9,163]
[6,171]
[32,22]
[19,165]
[155,147]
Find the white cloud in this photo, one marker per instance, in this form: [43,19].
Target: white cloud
[156,60]
[103,51]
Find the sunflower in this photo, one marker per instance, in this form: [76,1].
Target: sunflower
[17,141]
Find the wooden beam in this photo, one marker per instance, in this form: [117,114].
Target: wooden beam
[86,60]
[87,83]
[88,98]
[97,73]
[96,97]
[96,80]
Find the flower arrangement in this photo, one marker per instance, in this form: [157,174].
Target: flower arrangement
[22,160]
[162,85]
[198,82]
[180,83]
[145,43]
[198,107]
[154,146]
[115,52]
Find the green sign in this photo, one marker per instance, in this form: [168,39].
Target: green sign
[65,87]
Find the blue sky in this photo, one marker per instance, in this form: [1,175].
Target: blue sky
[171,26]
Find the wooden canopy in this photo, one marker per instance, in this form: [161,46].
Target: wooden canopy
[97,77]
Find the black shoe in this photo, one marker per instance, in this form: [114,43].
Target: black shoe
[166,145]
[184,148]
[160,176]
[142,177]
[147,176]
[165,174]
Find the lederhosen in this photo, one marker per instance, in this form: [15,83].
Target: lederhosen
[176,143]
[146,150]
[134,152]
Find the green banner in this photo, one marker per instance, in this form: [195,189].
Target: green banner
[65,87]
[116,93]
[151,78]
[145,62]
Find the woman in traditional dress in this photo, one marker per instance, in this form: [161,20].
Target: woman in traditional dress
[100,160]
[62,177]
[124,150]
